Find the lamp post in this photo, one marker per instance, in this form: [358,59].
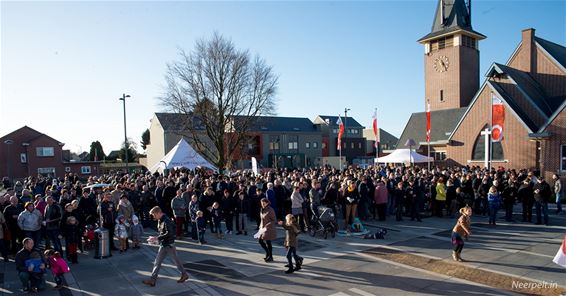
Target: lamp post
[9,143]
[123,99]
[410,143]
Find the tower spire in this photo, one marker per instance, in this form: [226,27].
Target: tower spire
[452,16]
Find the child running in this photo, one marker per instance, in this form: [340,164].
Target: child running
[460,232]
[291,242]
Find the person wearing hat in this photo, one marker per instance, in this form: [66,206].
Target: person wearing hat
[29,222]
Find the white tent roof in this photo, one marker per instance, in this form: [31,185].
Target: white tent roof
[182,156]
[404,156]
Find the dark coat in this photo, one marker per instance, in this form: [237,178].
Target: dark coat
[166,230]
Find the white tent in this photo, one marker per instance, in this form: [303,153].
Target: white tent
[182,156]
[404,156]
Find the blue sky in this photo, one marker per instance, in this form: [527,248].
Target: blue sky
[65,64]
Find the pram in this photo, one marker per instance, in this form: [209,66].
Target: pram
[323,222]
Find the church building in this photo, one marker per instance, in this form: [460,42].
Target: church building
[528,94]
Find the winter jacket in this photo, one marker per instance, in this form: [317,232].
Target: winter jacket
[120,230]
[53,216]
[179,207]
[268,221]
[166,230]
[137,232]
[380,194]
[291,233]
[296,200]
[30,221]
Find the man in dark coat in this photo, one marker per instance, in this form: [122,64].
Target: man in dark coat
[542,193]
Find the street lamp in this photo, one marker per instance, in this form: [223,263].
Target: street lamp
[410,143]
[9,143]
[123,99]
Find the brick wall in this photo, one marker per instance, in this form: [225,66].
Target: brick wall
[517,149]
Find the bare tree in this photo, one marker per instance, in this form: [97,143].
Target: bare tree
[221,90]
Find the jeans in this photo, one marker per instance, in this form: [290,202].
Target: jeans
[559,202]
[292,253]
[390,204]
[194,230]
[179,221]
[542,208]
[493,214]
[509,212]
[34,280]
[241,222]
[53,235]
[164,251]
[201,237]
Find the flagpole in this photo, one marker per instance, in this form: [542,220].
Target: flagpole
[490,132]
[428,133]
[376,139]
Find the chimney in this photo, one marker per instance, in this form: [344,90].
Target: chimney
[528,45]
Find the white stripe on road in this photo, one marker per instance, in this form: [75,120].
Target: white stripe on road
[339,294]
[361,292]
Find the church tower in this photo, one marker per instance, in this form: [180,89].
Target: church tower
[451,56]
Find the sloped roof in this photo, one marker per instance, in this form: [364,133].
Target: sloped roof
[442,124]
[453,16]
[331,121]
[173,121]
[523,116]
[33,134]
[532,89]
[386,137]
[557,51]
[282,124]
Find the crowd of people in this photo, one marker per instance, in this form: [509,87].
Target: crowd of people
[59,213]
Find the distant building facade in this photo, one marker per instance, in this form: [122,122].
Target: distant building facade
[27,152]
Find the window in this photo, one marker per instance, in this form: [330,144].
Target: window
[274,144]
[85,170]
[45,151]
[439,155]
[563,157]
[479,149]
[352,145]
[441,95]
[46,172]
[468,41]
[293,143]
[307,145]
[23,158]
[360,145]
[314,145]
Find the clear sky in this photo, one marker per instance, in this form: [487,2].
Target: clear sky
[65,64]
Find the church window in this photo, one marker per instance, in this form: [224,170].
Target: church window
[468,41]
[441,95]
[478,153]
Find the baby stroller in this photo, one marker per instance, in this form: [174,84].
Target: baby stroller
[323,222]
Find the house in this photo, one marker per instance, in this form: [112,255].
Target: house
[27,152]
[353,141]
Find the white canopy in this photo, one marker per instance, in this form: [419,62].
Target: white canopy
[404,156]
[182,156]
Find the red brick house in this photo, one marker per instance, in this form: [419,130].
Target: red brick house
[531,85]
[27,152]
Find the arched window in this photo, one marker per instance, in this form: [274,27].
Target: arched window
[479,148]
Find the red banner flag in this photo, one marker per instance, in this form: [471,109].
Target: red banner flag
[428,122]
[497,119]
[375,128]
[340,132]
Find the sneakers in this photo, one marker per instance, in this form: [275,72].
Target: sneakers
[183,278]
[149,282]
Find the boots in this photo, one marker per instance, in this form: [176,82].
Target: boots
[459,258]
[150,282]
[290,270]
[454,256]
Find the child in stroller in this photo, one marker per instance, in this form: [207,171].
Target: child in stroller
[323,222]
